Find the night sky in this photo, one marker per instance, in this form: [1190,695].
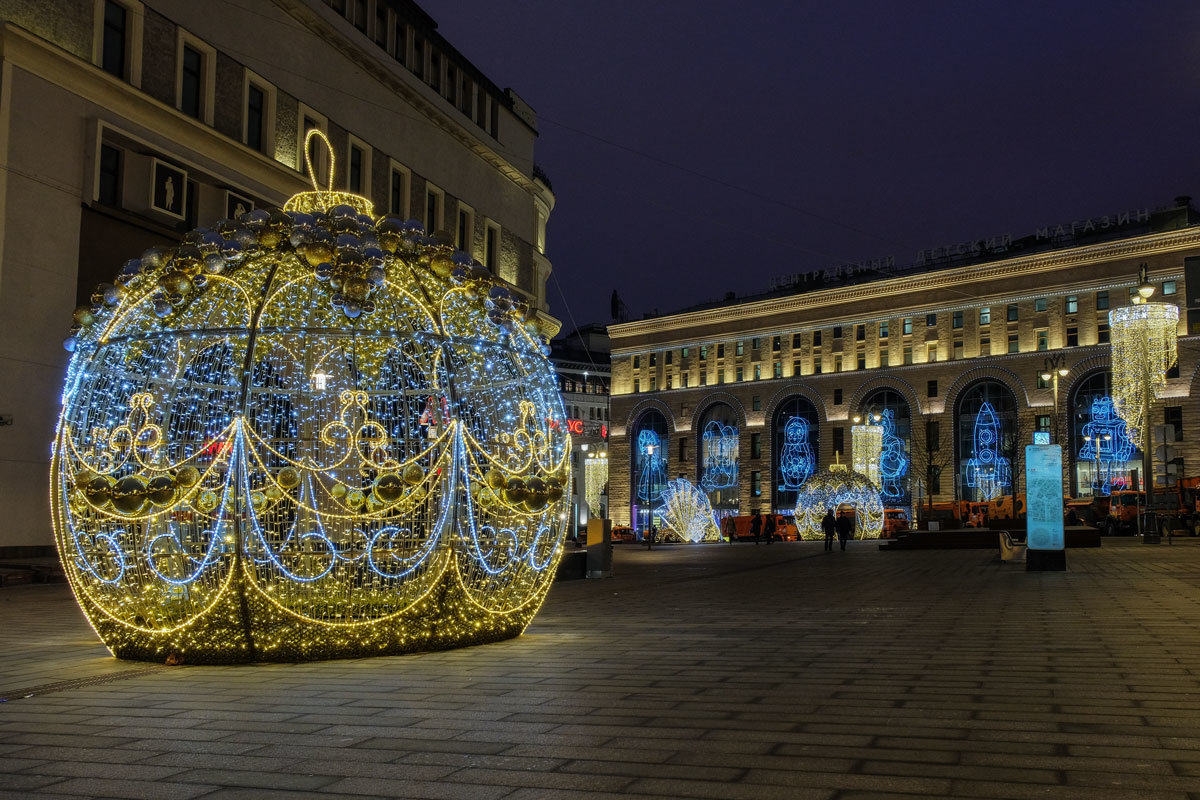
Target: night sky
[699,148]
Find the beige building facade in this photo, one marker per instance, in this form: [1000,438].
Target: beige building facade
[931,346]
[123,124]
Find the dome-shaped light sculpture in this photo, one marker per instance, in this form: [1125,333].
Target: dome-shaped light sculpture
[687,512]
[305,434]
[829,489]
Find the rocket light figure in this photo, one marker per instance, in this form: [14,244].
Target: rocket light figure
[893,461]
[652,475]
[1117,449]
[796,458]
[987,470]
[720,456]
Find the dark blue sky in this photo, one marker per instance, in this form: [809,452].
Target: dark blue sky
[703,147]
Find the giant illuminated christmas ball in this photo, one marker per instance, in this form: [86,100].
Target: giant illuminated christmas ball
[304,434]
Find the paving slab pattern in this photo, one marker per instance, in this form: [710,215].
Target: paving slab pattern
[697,672]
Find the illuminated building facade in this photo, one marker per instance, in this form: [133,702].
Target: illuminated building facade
[129,122]
[951,349]
[582,361]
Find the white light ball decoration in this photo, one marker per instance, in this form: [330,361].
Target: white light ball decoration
[308,434]
[829,489]
[687,512]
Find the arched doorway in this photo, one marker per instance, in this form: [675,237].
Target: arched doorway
[1103,449]
[888,408]
[986,433]
[648,464]
[717,464]
[796,439]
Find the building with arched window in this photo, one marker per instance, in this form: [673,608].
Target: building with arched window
[946,355]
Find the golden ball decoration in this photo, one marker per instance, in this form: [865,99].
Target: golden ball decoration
[303,434]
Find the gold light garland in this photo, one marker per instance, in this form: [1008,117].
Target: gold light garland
[831,488]
[1143,349]
[866,450]
[595,478]
[305,434]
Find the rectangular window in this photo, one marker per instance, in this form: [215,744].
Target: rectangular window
[435,70]
[931,389]
[755,343]
[933,435]
[1071,304]
[883,329]
[837,331]
[720,376]
[930,320]
[985,346]
[860,361]
[985,315]
[817,366]
[1013,312]
[704,377]
[778,371]
[756,445]
[113,45]
[1101,301]
[956,320]
[797,366]
[1042,382]
[463,237]
[398,193]
[1173,416]
[757,372]
[1043,340]
[683,353]
[1102,333]
[907,325]
[433,211]
[494,122]
[491,247]
[670,354]
[1042,422]
[654,359]
[755,483]
[637,362]
[256,102]
[418,60]
[1040,304]
[1013,344]
[401,45]
[796,341]
[683,448]
[381,26]
[908,356]
[360,15]
[1169,287]
[451,83]
[839,440]
[108,190]
[703,352]
[637,385]
[192,84]
[669,380]
[738,375]
[837,397]
[860,333]
[883,358]
[720,351]
[653,383]
[935,478]
[1072,337]
[931,351]
[683,379]
[957,351]
[741,348]
[776,344]
[837,363]
[355,173]
[816,339]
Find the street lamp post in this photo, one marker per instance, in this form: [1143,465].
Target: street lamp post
[1053,369]
[1098,443]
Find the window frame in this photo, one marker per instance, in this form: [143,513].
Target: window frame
[134,26]
[267,144]
[208,86]
[435,225]
[470,241]
[394,168]
[491,260]
[353,142]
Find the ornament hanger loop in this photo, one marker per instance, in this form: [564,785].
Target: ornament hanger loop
[308,162]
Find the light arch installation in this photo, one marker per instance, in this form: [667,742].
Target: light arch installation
[829,489]
[304,434]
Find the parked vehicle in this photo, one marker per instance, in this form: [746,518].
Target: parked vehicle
[785,528]
[623,533]
[895,522]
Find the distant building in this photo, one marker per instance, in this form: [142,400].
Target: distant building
[129,122]
[748,396]
[582,362]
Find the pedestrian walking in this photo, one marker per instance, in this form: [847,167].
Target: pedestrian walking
[769,528]
[829,528]
[845,529]
[729,529]
[756,527]
[650,537]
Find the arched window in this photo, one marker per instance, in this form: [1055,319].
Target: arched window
[796,444]
[1102,446]
[717,457]
[649,467]
[986,429]
[893,413]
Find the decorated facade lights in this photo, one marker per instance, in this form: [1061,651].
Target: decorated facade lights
[796,459]
[652,471]
[687,513]
[893,460]
[866,447]
[831,488]
[595,479]
[1107,444]
[241,471]
[988,472]
[719,443]
[1144,348]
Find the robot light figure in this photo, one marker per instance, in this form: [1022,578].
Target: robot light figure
[987,470]
[796,462]
[720,456]
[1107,444]
[652,476]
[893,461]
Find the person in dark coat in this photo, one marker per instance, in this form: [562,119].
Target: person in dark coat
[769,528]
[829,527]
[756,527]
[845,529]
[1072,518]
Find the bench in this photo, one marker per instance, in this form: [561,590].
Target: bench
[1010,550]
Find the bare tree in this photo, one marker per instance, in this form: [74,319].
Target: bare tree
[927,462]
[1012,447]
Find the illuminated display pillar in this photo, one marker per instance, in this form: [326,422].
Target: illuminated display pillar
[1044,508]
[866,450]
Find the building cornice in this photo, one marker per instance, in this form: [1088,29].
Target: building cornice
[1139,246]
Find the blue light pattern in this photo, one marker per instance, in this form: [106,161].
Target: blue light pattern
[720,443]
[893,461]
[796,460]
[987,471]
[652,474]
[1113,453]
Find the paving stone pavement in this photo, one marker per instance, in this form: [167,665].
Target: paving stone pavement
[697,672]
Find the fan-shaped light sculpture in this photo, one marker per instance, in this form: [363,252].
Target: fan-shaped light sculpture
[687,511]
[307,434]
[829,489]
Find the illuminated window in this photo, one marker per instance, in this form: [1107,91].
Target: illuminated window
[1101,301]
[1169,287]
[1071,304]
[1043,340]
[741,348]
[1013,312]
[755,483]
[837,363]
[1042,383]
[1040,304]
[931,351]
[883,329]
[985,315]
[957,352]
[907,326]
[703,352]
[908,356]
[956,319]
[778,369]
[683,353]
[1013,345]
[757,372]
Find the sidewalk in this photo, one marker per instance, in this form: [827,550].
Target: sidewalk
[698,671]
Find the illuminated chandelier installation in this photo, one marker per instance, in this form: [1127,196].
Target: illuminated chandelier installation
[866,447]
[687,512]
[796,459]
[1143,349]
[893,460]
[595,478]
[987,471]
[832,488]
[312,433]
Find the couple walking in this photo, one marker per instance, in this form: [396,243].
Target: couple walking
[842,525]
